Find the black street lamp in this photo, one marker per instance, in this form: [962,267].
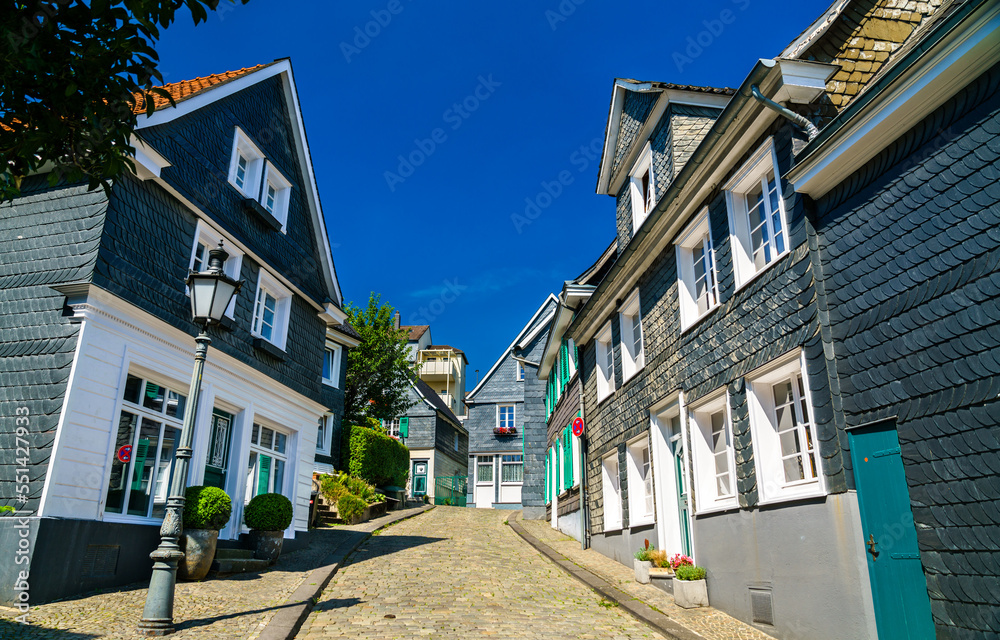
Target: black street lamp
[211,291]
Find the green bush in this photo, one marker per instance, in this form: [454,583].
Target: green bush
[334,486]
[268,512]
[206,508]
[689,572]
[350,507]
[374,457]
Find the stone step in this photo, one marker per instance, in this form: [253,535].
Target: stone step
[233,554]
[238,565]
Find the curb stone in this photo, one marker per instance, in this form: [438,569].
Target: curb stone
[637,608]
[287,621]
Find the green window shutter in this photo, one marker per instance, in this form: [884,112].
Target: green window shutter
[141,452]
[264,478]
[404,427]
[569,457]
[548,498]
[564,362]
[576,356]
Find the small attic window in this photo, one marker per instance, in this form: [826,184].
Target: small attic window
[260,181]
[246,166]
[643,187]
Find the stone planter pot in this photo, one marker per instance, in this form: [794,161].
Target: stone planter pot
[642,568]
[266,545]
[690,593]
[199,551]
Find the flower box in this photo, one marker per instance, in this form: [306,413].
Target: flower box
[505,431]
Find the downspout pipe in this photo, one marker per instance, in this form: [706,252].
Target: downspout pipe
[798,119]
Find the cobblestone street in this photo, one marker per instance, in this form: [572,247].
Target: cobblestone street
[461,573]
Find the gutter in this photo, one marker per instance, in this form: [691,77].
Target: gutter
[798,119]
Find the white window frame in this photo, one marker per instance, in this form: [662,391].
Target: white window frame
[705,472]
[282,307]
[392,427]
[287,457]
[697,235]
[570,350]
[323,434]
[773,486]
[283,189]
[633,358]
[764,160]
[605,363]
[513,412]
[242,145]
[511,463]
[640,482]
[641,207]
[612,493]
[159,488]
[520,371]
[210,238]
[484,462]
[334,352]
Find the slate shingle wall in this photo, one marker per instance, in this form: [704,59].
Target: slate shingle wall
[534,429]
[199,147]
[910,247]
[770,316]
[636,109]
[48,236]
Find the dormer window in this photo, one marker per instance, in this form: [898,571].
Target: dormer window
[643,188]
[272,304]
[265,189]
[205,238]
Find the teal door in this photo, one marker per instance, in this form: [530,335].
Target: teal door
[899,590]
[680,472]
[419,478]
[218,449]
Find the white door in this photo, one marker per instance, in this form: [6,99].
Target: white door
[485,482]
[670,474]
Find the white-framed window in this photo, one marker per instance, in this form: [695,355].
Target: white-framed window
[275,194]
[392,427]
[605,363]
[272,303]
[643,188]
[784,436]
[505,416]
[484,469]
[511,469]
[697,282]
[246,167]
[205,239]
[640,482]
[520,370]
[331,364]
[455,443]
[757,221]
[612,492]
[268,461]
[714,459]
[324,434]
[630,319]
[142,463]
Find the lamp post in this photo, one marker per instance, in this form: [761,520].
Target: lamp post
[211,291]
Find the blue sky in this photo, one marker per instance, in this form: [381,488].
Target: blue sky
[491,102]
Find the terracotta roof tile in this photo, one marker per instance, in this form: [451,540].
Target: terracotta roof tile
[189,88]
[416,330]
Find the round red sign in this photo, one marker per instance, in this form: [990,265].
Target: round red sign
[578,427]
[125,453]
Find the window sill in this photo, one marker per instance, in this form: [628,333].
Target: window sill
[696,321]
[251,206]
[330,383]
[762,270]
[728,505]
[643,522]
[123,519]
[632,374]
[227,323]
[262,345]
[615,528]
[610,394]
[814,491]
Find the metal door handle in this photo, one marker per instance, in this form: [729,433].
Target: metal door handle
[871,547]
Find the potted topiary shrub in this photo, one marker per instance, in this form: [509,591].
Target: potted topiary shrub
[206,511]
[643,562]
[268,515]
[690,589]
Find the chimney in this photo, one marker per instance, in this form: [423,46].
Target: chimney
[395,318]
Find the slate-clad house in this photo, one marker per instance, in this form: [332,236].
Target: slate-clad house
[98,339]
[799,332]
[559,368]
[506,424]
[438,444]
